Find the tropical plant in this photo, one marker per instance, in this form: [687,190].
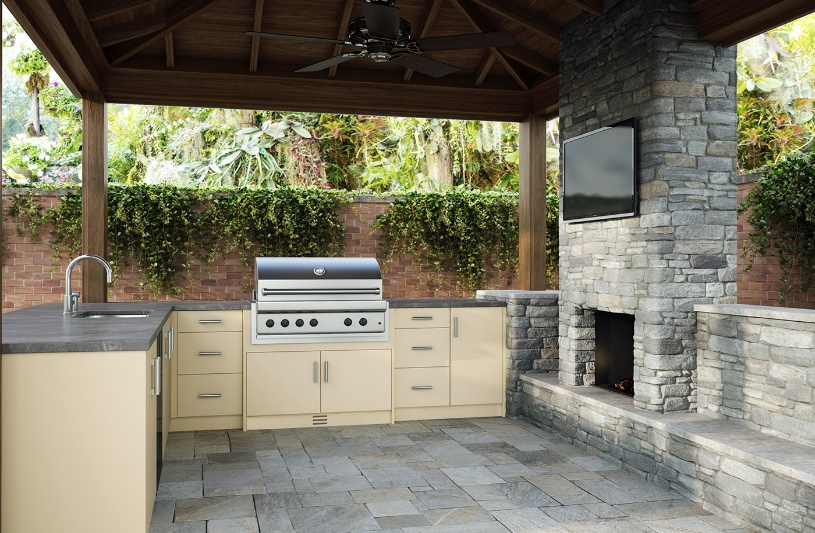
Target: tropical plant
[31,63]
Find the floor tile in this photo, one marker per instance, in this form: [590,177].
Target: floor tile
[471,475]
[391,508]
[608,491]
[445,499]
[392,477]
[339,483]
[333,519]
[280,500]
[233,482]
[381,495]
[477,527]
[661,510]
[274,521]
[183,527]
[180,472]
[214,508]
[233,525]
[163,512]
[177,490]
[402,521]
[456,516]
[570,513]
[528,520]
[690,524]
[323,499]
[521,493]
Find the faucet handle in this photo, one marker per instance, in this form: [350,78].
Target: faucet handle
[74,302]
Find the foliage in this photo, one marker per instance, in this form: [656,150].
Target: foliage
[469,230]
[31,63]
[781,210]
[40,159]
[60,103]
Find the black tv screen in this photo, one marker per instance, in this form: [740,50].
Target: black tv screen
[600,174]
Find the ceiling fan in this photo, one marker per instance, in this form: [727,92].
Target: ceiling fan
[383,36]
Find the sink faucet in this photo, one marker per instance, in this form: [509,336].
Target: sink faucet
[72,298]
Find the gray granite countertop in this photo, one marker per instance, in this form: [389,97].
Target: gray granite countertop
[444,302]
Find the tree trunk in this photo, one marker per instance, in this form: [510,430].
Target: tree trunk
[439,163]
[36,125]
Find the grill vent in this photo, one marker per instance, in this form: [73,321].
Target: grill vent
[319,420]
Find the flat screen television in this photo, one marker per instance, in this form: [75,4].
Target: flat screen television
[600,174]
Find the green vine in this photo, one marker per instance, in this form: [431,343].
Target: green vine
[469,230]
[781,211]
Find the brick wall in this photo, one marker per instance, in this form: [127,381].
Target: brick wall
[761,286]
[30,278]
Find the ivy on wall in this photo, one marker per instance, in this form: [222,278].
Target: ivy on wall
[463,229]
[781,210]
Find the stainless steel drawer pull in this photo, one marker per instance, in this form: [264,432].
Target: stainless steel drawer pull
[422,348]
[210,353]
[209,395]
[455,326]
[422,318]
[210,321]
[316,372]
[422,387]
[325,371]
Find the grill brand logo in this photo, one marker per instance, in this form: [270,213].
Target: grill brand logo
[319,271]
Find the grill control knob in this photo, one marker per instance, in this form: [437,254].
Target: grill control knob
[270,323]
[348,322]
[299,323]
[363,321]
[284,323]
[313,322]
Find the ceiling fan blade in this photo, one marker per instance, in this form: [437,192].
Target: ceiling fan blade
[493,39]
[322,65]
[382,21]
[294,37]
[425,65]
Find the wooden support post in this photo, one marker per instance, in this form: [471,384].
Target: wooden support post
[94,198]
[532,204]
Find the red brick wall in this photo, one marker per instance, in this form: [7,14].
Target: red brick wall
[29,277]
[761,286]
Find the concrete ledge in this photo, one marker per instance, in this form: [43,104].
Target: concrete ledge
[758,311]
[519,295]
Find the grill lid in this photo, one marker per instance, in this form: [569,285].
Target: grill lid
[317,268]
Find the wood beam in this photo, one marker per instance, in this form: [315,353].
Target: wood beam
[342,34]
[120,33]
[480,24]
[176,17]
[533,61]
[161,86]
[484,69]
[94,198]
[429,19]
[55,32]
[545,98]
[169,51]
[254,53]
[101,9]
[595,7]
[532,204]
[718,22]
[524,18]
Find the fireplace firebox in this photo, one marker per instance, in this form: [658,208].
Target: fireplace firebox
[614,351]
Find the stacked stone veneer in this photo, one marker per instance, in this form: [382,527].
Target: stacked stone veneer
[532,337]
[757,368]
[642,59]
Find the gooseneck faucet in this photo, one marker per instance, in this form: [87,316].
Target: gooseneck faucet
[72,298]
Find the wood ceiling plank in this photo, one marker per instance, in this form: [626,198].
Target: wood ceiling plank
[533,61]
[480,24]
[524,18]
[120,33]
[718,21]
[100,9]
[176,17]
[484,69]
[254,53]
[168,50]
[429,19]
[318,94]
[342,33]
[545,98]
[595,7]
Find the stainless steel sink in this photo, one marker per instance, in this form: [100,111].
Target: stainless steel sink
[113,313]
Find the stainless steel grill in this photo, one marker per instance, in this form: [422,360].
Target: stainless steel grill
[318,299]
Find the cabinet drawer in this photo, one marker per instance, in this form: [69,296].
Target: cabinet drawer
[422,387]
[422,347]
[210,395]
[198,321]
[426,317]
[210,353]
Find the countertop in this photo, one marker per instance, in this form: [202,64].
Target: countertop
[44,329]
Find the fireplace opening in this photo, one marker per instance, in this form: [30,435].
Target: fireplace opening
[614,351]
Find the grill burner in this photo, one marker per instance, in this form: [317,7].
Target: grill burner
[318,299]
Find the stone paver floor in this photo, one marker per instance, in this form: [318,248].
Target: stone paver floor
[472,475]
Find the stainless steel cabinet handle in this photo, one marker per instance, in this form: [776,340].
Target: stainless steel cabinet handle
[157,375]
[172,341]
[455,326]
[422,387]
[325,371]
[214,395]
[422,318]
[165,345]
[210,321]
[210,353]
[422,348]
[316,372]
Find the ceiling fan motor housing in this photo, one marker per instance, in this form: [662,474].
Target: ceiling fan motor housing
[380,2]
[358,34]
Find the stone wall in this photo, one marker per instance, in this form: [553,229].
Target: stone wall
[757,368]
[532,337]
[642,59]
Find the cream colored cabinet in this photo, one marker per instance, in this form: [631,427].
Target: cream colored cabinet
[168,337]
[355,381]
[208,370]
[422,357]
[282,383]
[476,356]
[79,441]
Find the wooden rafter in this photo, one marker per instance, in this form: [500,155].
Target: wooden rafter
[101,9]
[531,60]
[429,19]
[477,21]
[176,17]
[256,26]
[595,7]
[484,69]
[168,50]
[524,18]
[121,33]
[342,33]
[718,24]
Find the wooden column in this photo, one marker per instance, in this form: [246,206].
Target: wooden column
[532,204]
[94,197]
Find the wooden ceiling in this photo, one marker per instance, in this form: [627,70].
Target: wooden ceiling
[195,53]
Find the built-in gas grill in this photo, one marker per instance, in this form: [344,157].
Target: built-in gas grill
[318,299]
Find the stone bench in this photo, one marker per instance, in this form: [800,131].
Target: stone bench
[758,480]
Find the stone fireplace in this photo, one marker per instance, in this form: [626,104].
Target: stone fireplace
[680,251]
[614,350]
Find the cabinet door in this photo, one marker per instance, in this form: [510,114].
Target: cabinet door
[167,348]
[152,435]
[282,383]
[356,380]
[476,356]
